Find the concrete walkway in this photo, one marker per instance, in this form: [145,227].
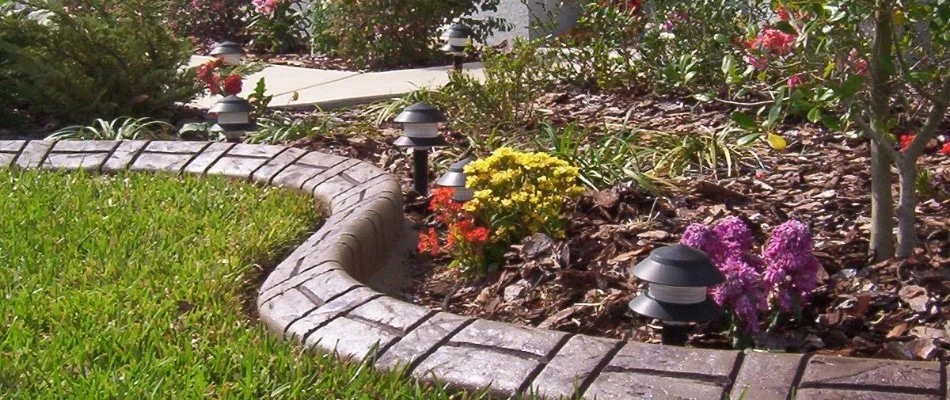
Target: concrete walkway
[333,89]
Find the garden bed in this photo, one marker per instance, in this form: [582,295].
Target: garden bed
[894,309]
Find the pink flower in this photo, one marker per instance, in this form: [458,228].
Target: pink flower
[265,6]
[195,4]
[783,14]
[759,63]
[795,80]
[856,63]
[791,269]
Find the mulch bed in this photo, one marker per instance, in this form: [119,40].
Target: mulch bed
[893,309]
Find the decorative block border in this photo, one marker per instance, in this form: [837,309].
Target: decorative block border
[318,298]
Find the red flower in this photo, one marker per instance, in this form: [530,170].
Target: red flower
[783,14]
[906,140]
[214,84]
[945,150]
[429,242]
[232,84]
[477,235]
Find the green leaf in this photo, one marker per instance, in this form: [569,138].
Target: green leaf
[703,97]
[721,38]
[728,65]
[747,139]
[850,87]
[744,121]
[814,115]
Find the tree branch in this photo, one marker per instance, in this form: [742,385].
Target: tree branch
[874,135]
[938,111]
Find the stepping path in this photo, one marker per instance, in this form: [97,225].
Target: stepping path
[333,89]
[319,297]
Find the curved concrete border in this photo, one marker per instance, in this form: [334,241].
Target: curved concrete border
[316,297]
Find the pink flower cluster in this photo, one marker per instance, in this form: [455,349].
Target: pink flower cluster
[786,272]
[265,6]
[790,268]
[770,41]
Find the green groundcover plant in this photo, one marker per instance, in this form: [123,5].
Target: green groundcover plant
[136,286]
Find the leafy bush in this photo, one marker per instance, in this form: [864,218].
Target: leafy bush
[388,33]
[780,279]
[518,194]
[278,26]
[97,58]
[209,21]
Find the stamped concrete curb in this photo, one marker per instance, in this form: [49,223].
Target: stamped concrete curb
[318,297]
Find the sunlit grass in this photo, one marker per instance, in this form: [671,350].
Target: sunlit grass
[137,285]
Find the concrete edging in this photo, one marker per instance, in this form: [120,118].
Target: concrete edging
[317,297]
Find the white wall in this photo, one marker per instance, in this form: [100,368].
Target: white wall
[532,19]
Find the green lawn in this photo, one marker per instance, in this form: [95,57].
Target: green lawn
[137,286]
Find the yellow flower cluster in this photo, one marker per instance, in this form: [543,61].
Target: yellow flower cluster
[521,193]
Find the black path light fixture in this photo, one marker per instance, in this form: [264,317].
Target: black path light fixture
[457,37]
[230,52]
[455,178]
[233,117]
[677,279]
[420,123]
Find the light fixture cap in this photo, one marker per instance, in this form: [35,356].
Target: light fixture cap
[455,176]
[225,48]
[697,312]
[453,50]
[459,30]
[421,143]
[231,104]
[462,194]
[678,265]
[420,113]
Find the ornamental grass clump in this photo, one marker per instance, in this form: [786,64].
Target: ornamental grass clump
[781,279]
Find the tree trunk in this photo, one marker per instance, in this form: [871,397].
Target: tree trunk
[882,197]
[882,205]
[906,208]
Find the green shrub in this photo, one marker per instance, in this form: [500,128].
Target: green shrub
[390,33]
[95,59]
[279,27]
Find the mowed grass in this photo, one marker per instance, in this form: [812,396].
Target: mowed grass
[137,286]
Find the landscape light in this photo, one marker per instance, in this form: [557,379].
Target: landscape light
[678,278]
